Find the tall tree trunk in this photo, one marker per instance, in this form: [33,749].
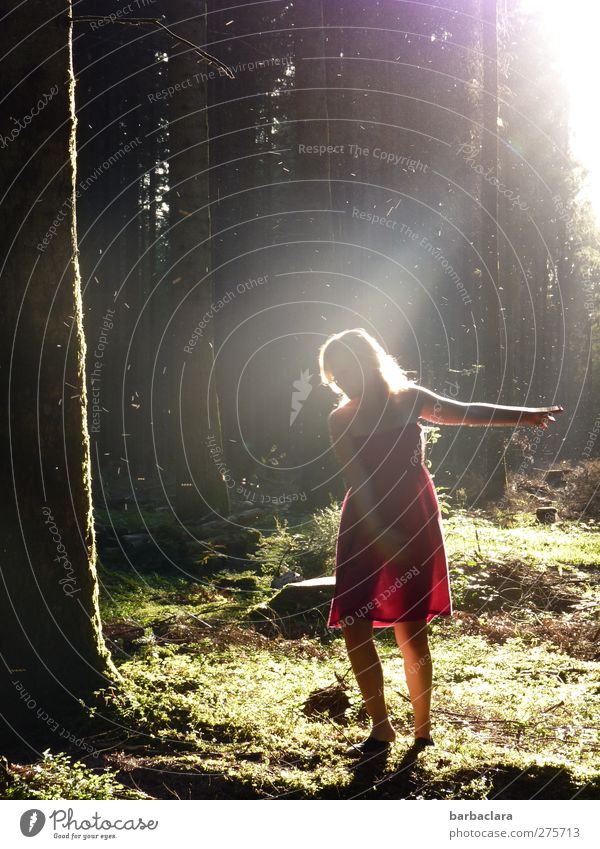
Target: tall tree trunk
[51,645]
[195,420]
[493,353]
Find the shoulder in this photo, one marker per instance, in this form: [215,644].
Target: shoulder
[409,392]
[412,398]
[338,417]
[339,420]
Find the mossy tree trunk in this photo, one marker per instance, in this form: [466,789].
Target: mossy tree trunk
[51,646]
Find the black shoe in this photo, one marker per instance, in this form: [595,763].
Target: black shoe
[422,742]
[411,755]
[370,746]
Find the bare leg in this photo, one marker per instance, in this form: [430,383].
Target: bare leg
[369,675]
[412,642]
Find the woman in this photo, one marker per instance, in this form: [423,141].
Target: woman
[391,566]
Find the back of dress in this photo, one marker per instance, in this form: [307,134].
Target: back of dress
[411,583]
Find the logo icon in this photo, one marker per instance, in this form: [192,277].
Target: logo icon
[32,822]
[302,389]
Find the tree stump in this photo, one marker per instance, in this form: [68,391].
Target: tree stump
[298,609]
[122,636]
[303,596]
[546,515]
[556,477]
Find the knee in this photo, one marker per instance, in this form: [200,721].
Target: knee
[415,648]
[357,634]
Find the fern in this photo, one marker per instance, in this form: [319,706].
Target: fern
[311,551]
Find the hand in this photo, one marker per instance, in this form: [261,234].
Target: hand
[540,417]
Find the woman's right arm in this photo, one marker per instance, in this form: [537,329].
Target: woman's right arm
[353,472]
[351,468]
[439,410]
[390,541]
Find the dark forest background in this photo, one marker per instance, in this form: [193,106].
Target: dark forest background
[245,185]
[220,191]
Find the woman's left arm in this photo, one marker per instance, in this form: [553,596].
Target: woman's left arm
[439,410]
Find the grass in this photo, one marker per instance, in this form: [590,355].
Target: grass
[156,597]
[566,543]
[211,708]
[238,711]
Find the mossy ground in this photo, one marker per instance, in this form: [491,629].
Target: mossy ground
[211,708]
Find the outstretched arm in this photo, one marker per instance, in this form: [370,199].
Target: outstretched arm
[439,410]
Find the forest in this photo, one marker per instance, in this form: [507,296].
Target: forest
[195,197]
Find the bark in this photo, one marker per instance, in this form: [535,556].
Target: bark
[194,410]
[492,344]
[51,645]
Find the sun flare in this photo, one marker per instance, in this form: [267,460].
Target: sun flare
[573,30]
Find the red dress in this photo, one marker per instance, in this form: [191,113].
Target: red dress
[410,581]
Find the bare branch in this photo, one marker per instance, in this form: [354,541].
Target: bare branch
[134,22]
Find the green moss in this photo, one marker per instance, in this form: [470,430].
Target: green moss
[223,711]
[496,709]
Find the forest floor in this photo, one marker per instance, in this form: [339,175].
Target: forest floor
[210,707]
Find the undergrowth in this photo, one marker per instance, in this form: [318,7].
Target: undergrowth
[211,708]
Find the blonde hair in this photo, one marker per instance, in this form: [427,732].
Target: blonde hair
[348,347]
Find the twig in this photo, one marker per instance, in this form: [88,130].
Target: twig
[197,618]
[477,538]
[134,22]
[553,707]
